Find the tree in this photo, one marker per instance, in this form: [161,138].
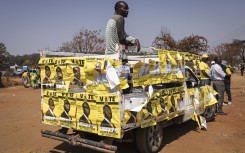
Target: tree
[24,60]
[240,48]
[227,52]
[165,40]
[3,56]
[194,43]
[86,41]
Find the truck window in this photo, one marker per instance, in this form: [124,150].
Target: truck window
[190,79]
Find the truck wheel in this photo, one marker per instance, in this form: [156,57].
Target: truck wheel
[150,139]
[209,113]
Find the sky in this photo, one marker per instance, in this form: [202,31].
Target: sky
[27,26]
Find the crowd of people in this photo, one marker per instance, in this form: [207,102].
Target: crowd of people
[219,76]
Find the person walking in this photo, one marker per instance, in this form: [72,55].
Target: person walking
[1,84]
[227,81]
[115,33]
[242,69]
[217,76]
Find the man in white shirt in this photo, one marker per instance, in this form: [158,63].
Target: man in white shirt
[217,76]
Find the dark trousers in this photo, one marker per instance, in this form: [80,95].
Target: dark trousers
[205,82]
[1,85]
[241,73]
[228,90]
[219,86]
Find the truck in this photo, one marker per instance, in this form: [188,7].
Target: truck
[104,99]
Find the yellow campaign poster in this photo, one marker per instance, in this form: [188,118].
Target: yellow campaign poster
[86,112]
[178,61]
[68,110]
[75,71]
[51,108]
[138,71]
[108,115]
[130,119]
[171,104]
[149,114]
[61,81]
[95,70]
[162,54]
[47,74]
[161,108]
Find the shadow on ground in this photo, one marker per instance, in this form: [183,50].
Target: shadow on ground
[170,134]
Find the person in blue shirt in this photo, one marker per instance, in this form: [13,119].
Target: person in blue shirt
[123,71]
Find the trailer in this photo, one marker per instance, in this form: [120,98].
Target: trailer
[104,100]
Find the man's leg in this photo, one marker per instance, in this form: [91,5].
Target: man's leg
[228,91]
[220,88]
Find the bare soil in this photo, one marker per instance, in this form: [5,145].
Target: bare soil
[21,125]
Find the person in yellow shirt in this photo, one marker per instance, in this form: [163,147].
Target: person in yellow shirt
[204,69]
[33,75]
[227,80]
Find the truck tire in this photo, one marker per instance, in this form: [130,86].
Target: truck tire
[209,113]
[150,139]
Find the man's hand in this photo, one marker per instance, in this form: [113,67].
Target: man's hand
[137,44]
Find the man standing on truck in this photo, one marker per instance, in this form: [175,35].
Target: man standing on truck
[204,68]
[115,33]
[217,76]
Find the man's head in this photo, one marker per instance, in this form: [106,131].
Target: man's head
[224,63]
[124,61]
[47,71]
[172,100]
[148,107]
[98,66]
[66,105]
[59,73]
[121,8]
[51,104]
[162,103]
[217,60]
[205,57]
[107,112]
[76,71]
[86,109]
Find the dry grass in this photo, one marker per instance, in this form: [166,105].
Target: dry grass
[11,81]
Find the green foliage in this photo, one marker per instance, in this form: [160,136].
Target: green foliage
[25,60]
[3,55]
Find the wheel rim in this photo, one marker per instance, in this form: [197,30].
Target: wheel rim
[208,112]
[154,138]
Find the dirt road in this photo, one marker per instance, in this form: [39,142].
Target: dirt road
[20,127]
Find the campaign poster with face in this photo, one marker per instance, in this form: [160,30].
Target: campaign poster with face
[148,114]
[161,108]
[130,119]
[86,112]
[61,81]
[51,108]
[47,74]
[68,110]
[108,115]
[95,70]
[75,71]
